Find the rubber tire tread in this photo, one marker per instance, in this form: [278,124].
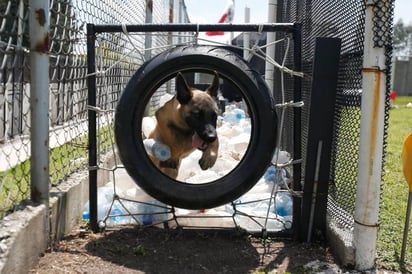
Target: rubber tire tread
[137,93]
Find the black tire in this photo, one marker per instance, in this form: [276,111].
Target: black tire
[130,111]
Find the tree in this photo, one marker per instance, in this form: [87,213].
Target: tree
[402,39]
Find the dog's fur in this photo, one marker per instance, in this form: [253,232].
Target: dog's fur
[188,122]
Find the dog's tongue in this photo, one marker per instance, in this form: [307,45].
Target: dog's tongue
[197,142]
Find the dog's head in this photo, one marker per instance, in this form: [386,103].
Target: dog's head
[199,110]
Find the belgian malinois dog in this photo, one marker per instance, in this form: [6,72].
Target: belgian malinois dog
[188,122]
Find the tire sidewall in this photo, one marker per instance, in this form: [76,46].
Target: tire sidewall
[137,94]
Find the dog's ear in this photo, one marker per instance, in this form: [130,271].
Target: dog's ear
[183,91]
[214,87]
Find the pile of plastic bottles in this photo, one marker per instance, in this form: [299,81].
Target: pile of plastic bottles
[234,116]
[112,212]
[234,130]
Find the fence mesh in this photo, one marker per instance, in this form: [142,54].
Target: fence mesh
[345,20]
[116,62]
[14,104]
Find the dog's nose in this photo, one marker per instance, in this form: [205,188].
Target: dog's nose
[210,138]
[209,135]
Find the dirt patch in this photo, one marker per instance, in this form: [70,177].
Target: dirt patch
[153,250]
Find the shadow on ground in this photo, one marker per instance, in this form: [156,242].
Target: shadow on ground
[152,250]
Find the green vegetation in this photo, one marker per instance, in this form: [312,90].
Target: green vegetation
[67,158]
[64,160]
[14,186]
[394,191]
[347,148]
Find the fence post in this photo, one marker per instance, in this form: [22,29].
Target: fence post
[297,129]
[39,102]
[370,144]
[246,36]
[148,35]
[92,145]
[320,136]
[270,50]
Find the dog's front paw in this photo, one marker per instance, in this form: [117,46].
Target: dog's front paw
[207,160]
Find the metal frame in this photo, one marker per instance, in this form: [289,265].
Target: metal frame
[92,30]
[39,104]
[320,136]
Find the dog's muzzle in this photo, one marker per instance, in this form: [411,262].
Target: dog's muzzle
[199,143]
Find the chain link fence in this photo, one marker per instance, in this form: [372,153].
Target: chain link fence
[117,58]
[345,20]
[117,61]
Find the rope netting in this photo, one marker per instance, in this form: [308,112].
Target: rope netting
[266,207]
[68,82]
[119,55]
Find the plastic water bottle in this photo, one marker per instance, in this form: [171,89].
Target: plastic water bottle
[86,215]
[153,213]
[284,204]
[270,173]
[104,199]
[116,213]
[281,157]
[148,125]
[234,116]
[147,217]
[157,149]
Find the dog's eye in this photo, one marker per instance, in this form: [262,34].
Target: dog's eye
[195,113]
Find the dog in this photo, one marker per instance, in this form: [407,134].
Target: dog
[188,122]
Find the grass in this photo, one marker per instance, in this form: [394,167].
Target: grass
[394,191]
[345,176]
[64,160]
[14,186]
[72,156]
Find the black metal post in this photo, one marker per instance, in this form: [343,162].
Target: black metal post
[297,127]
[92,30]
[319,143]
[285,27]
[91,87]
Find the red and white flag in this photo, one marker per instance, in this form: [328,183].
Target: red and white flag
[227,17]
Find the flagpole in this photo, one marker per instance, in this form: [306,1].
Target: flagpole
[270,50]
[246,35]
[231,15]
